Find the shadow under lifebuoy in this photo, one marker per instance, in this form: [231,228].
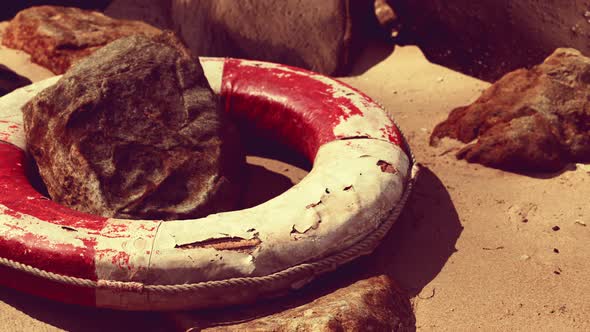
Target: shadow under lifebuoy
[421,241]
[76,318]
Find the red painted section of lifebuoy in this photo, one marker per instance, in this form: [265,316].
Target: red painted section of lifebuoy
[21,199]
[291,105]
[17,194]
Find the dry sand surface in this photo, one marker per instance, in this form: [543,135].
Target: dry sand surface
[475,247]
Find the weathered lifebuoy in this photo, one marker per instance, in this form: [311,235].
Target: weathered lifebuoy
[362,175]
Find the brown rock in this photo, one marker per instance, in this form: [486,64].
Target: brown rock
[530,120]
[323,36]
[57,37]
[9,80]
[374,304]
[134,131]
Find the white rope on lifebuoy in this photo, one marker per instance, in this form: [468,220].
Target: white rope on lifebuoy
[362,176]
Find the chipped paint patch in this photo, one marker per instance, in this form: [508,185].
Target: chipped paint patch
[226,243]
[386,167]
[213,70]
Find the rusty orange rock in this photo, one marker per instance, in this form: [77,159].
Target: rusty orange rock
[57,37]
[534,119]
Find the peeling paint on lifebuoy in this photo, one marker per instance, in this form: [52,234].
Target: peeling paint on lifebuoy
[359,175]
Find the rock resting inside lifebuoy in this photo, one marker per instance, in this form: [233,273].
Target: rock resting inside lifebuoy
[135,131]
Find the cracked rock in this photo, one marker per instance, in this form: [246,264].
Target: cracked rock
[534,119]
[57,37]
[134,131]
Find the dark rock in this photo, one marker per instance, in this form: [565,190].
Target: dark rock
[387,18]
[490,38]
[530,120]
[9,80]
[57,37]
[134,131]
[374,304]
[323,36]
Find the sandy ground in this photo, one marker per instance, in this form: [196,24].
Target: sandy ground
[475,247]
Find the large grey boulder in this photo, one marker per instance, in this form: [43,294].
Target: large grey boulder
[134,131]
[323,36]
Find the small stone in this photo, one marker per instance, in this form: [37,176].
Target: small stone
[524,257]
[373,304]
[10,81]
[134,131]
[530,120]
[555,250]
[580,222]
[57,37]
[555,228]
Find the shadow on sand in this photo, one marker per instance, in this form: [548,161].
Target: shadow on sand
[412,254]
[422,240]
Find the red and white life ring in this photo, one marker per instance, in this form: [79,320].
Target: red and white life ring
[361,177]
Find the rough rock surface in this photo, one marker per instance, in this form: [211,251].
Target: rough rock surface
[57,37]
[134,131]
[530,120]
[373,304]
[322,36]
[279,31]
[9,80]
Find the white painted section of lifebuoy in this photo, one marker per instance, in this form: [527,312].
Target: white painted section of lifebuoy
[11,117]
[213,69]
